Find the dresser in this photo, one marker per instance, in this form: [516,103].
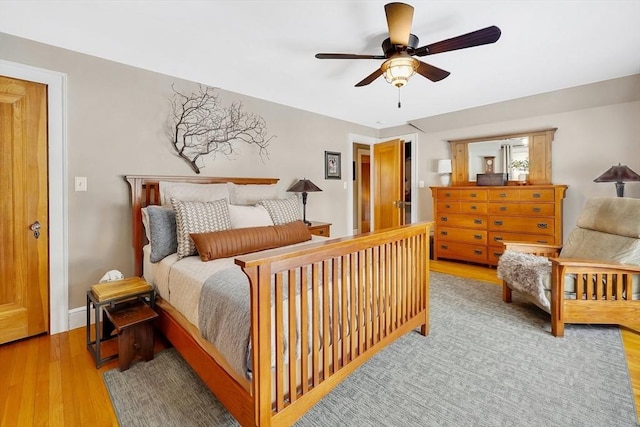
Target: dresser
[472,221]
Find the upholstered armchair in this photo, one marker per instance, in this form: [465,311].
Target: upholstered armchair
[594,278]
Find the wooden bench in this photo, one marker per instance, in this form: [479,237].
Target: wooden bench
[134,325]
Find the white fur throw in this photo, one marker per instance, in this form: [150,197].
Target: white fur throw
[526,273]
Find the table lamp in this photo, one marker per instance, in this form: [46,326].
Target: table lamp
[304,186]
[618,174]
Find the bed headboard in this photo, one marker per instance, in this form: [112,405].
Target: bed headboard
[145,191]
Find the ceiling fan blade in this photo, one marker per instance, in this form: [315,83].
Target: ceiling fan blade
[434,74]
[476,38]
[399,19]
[347,56]
[371,77]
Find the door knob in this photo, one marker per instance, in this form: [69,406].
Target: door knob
[35,227]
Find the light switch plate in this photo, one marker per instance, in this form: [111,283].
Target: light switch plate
[81,183]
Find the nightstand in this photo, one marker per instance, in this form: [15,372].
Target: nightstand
[111,294]
[320,228]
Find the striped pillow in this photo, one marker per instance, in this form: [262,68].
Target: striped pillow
[198,217]
[282,211]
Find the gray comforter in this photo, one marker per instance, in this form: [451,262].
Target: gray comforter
[224,317]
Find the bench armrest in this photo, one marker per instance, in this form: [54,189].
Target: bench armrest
[591,263]
[533,248]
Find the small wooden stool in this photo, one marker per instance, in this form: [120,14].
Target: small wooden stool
[134,326]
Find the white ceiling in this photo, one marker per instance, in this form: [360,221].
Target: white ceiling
[265,49]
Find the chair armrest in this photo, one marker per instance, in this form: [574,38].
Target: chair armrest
[592,263]
[541,249]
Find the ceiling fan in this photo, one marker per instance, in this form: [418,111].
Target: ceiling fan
[401,47]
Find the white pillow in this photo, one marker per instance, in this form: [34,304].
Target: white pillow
[249,216]
[198,217]
[191,192]
[282,211]
[250,194]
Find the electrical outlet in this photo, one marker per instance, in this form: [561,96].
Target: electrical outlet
[420,184]
[81,183]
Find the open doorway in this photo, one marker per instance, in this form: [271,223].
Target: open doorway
[363,190]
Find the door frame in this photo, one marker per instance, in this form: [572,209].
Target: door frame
[367,140]
[58,207]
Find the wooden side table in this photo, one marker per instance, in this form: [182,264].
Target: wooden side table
[134,326]
[132,289]
[320,228]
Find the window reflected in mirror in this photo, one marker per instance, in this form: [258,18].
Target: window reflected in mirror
[510,156]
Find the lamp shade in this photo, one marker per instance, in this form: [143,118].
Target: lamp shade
[444,166]
[303,186]
[620,173]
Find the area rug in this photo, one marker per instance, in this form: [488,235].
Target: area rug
[484,363]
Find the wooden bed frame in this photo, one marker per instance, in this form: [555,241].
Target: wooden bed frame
[388,269]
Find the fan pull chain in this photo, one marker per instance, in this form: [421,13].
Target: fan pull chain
[399,104]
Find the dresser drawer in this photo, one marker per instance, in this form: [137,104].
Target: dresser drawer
[496,238]
[473,194]
[461,251]
[446,206]
[473,207]
[530,209]
[516,224]
[460,220]
[478,237]
[540,195]
[448,194]
[504,195]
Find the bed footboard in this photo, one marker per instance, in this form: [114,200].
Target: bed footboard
[350,297]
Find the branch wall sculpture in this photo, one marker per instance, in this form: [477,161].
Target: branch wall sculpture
[201,126]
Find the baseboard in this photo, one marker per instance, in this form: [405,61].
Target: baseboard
[78,317]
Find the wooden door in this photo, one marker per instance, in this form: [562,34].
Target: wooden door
[388,165]
[24,259]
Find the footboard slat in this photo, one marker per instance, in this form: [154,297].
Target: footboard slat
[335,304]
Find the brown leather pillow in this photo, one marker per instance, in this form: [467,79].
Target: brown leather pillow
[228,243]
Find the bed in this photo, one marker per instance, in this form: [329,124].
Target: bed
[350,298]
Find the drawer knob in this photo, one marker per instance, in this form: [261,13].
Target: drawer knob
[447,194]
[542,225]
[497,254]
[447,206]
[536,195]
[474,195]
[477,221]
[444,233]
[474,207]
[497,238]
[444,247]
[477,251]
[443,218]
[477,236]
[500,223]
[503,208]
[503,195]
[542,241]
[536,209]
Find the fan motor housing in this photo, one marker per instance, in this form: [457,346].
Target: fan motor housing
[389,49]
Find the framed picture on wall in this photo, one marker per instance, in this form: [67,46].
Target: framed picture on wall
[332,165]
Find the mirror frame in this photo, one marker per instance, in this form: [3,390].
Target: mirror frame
[539,156]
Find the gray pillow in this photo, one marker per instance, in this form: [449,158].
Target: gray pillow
[162,232]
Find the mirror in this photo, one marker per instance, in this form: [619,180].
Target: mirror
[525,157]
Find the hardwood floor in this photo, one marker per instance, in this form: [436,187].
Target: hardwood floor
[52,380]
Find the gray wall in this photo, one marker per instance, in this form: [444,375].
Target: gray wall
[117,117]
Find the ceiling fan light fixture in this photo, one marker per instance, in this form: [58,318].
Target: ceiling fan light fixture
[399,69]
